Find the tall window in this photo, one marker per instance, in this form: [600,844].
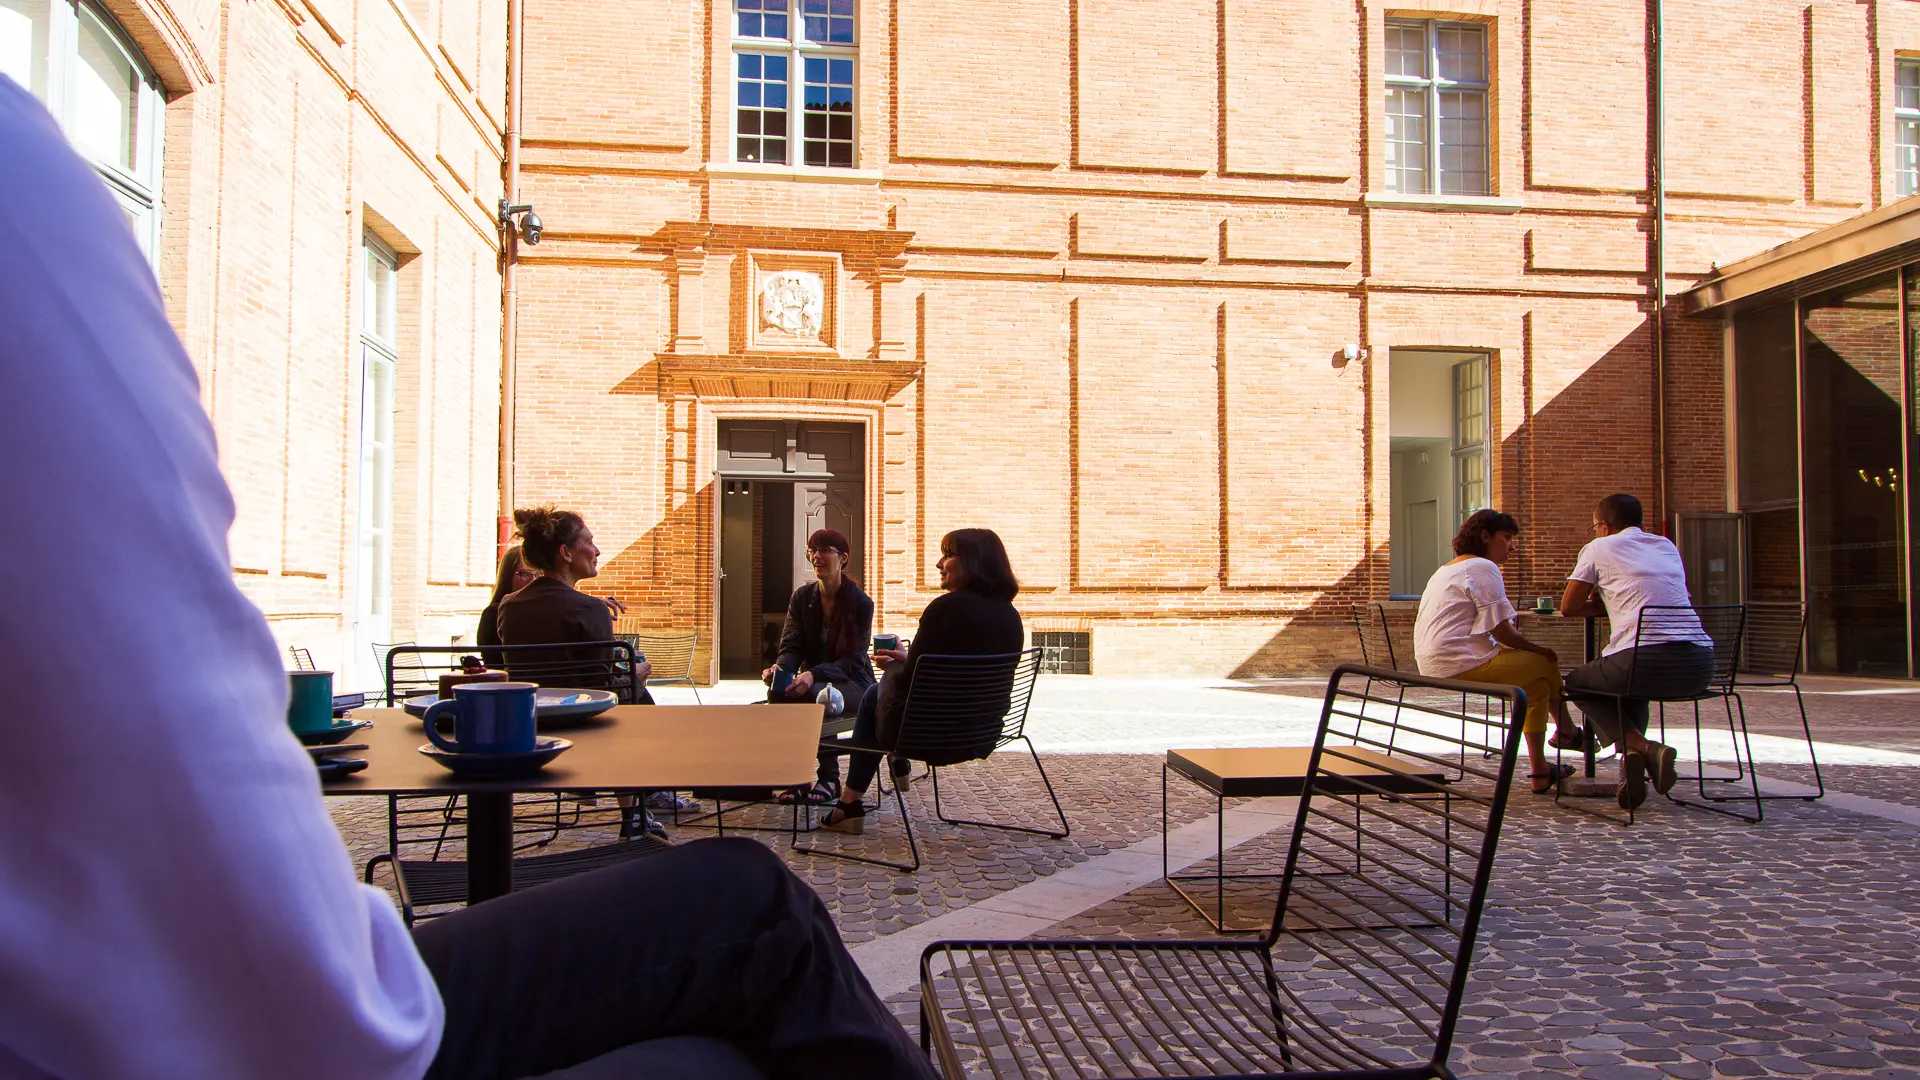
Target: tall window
[373,570]
[1906,128]
[1436,107]
[76,59]
[786,51]
[1470,436]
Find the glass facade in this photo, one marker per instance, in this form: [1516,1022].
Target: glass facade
[1824,407]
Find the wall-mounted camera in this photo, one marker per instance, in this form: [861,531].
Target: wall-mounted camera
[521,218]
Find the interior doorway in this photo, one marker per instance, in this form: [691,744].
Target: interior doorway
[780,480]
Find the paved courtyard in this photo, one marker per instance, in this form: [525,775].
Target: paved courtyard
[1691,945]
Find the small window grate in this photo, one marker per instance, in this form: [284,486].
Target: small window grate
[1064,652]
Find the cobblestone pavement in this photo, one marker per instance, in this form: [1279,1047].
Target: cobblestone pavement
[1691,946]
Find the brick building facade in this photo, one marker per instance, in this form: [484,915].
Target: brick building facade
[319,179]
[1218,311]
[1087,273]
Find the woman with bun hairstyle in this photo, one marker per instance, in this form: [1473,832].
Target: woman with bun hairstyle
[974,617]
[1465,631]
[823,646]
[551,609]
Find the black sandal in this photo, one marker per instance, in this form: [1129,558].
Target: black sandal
[822,793]
[1544,783]
[849,818]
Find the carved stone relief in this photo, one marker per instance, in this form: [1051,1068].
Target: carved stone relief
[791,302]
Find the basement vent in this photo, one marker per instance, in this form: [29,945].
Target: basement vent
[1064,652]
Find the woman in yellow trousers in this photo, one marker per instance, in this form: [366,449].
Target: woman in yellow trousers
[1465,631]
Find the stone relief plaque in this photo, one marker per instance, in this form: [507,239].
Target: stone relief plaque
[791,303]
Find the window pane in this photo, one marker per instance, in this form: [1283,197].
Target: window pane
[1406,149]
[762,18]
[1407,49]
[23,43]
[1906,156]
[1463,143]
[828,21]
[1462,53]
[1469,406]
[106,95]
[1907,94]
[828,92]
[760,120]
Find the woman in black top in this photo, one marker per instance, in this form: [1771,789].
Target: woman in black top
[824,644]
[515,575]
[550,609]
[975,617]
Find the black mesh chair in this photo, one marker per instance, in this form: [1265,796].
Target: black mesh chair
[1775,649]
[420,827]
[1653,672]
[959,709]
[1361,974]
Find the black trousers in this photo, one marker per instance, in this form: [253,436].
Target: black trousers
[861,768]
[1673,669]
[715,938]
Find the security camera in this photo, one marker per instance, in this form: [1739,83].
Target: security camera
[530,227]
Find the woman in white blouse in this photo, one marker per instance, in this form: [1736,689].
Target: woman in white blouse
[1465,631]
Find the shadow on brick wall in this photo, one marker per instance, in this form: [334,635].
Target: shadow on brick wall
[1592,438]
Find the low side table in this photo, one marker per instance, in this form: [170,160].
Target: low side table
[1273,771]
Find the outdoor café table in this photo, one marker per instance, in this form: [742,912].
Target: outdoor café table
[626,748]
[1272,771]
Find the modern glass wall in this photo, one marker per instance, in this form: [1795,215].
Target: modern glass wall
[1824,414]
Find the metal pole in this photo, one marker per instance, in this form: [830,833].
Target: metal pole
[509,305]
[1660,258]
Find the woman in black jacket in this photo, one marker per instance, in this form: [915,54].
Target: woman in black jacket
[823,646]
[515,575]
[975,617]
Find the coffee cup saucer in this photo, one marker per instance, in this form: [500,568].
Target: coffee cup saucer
[499,766]
[338,732]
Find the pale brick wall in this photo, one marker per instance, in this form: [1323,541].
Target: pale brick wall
[1137,234]
[292,126]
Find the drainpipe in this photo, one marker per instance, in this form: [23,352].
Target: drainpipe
[509,307]
[1660,256]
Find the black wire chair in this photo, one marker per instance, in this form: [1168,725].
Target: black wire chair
[420,827]
[1663,677]
[1361,973]
[959,709]
[1775,651]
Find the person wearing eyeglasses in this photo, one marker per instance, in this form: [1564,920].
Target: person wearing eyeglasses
[823,648]
[1620,572]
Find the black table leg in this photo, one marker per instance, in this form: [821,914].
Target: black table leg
[489,845]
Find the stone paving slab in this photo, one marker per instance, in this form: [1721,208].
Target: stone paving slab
[1690,946]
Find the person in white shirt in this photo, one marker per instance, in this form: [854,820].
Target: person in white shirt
[1465,631]
[177,901]
[1620,572]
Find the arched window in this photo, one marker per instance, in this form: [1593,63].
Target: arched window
[74,57]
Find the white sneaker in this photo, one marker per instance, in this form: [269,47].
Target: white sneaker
[670,800]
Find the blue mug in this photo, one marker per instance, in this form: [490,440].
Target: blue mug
[488,718]
[782,678]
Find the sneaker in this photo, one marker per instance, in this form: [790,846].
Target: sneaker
[1633,781]
[638,822]
[1663,765]
[670,801]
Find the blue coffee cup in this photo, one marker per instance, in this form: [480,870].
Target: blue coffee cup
[782,678]
[488,718]
[309,700]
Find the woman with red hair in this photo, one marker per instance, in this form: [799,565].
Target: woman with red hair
[823,648]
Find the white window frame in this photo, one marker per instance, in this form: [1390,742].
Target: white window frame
[1906,127]
[373,480]
[796,49]
[1435,85]
[1465,450]
[138,192]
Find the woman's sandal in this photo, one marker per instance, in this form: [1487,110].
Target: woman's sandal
[1573,740]
[1544,783]
[821,793]
[849,818]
